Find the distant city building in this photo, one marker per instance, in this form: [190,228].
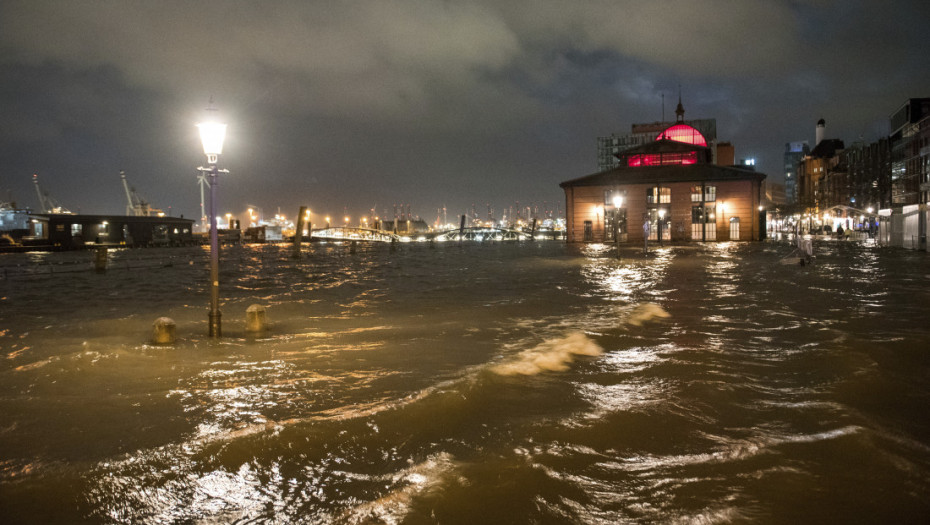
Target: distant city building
[666,189]
[794,154]
[640,134]
[886,182]
[813,170]
[907,173]
[868,168]
[921,159]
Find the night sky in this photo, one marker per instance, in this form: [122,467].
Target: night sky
[367,104]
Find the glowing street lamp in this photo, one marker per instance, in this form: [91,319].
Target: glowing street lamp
[723,215]
[212,135]
[618,203]
[229,221]
[661,220]
[256,214]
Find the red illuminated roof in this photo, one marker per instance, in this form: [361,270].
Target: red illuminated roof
[683,133]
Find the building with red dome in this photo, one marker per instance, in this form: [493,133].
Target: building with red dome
[669,189]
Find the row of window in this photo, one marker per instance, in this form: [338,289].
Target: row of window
[660,195]
[658,225]
[104,229]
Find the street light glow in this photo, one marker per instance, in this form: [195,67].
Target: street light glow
[212,135]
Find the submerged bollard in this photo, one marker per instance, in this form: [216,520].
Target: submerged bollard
[352,248]
[255,320]
[299,233]
[100,259]
[163,331]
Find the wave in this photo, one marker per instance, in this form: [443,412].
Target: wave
[554,355]
[394,506]
[644,313]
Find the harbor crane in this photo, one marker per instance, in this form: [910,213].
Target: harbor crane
[136,205]
[47,204]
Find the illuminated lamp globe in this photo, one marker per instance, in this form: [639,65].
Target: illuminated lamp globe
[618,201]
[212,135]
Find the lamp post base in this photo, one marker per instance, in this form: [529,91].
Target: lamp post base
[216,323]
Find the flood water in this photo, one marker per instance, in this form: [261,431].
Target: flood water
[476,383]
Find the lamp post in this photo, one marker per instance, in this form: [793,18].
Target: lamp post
[659,225]
[618,203]
[723,216]
[212,135]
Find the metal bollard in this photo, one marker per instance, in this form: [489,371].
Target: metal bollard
[255,320]
[163,331]
[100,259]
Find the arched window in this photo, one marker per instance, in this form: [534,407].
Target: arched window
[683,133]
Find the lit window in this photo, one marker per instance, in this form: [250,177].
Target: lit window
[663,159]
[664,195]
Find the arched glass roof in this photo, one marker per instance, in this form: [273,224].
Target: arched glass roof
[683,133]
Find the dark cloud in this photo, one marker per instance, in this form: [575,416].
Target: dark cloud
[366,104]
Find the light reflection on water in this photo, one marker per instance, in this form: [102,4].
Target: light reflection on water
[531,382]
